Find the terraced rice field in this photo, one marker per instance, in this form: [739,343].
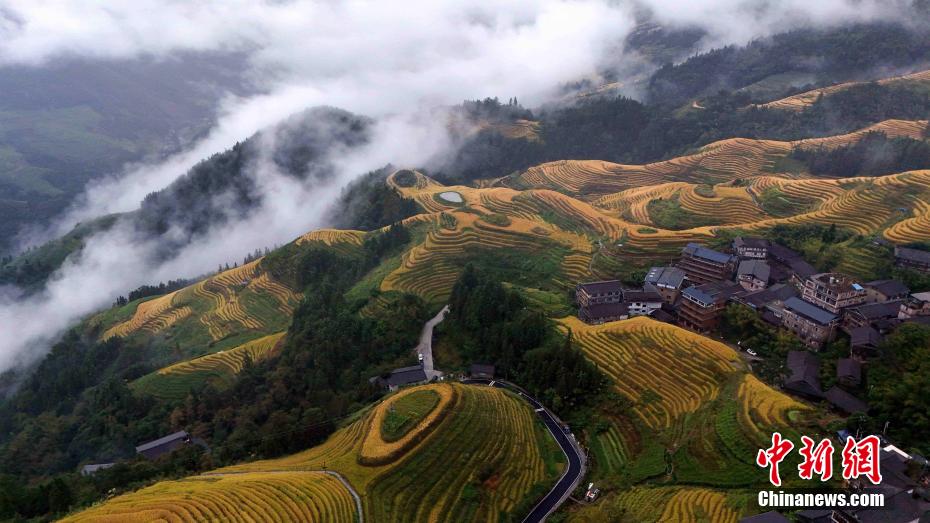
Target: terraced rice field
[664,370]
[663,505]
[430,269]
[487,427]
[258,496]
[151,316]
[219,369]
[763,408]
[803,100]
[334,238]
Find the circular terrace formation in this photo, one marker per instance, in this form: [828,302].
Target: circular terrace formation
[403,420]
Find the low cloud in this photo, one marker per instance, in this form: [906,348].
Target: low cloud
[393,62]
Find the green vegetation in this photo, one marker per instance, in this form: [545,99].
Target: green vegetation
[406,412]
[774,202]
[874,155]
[669,214]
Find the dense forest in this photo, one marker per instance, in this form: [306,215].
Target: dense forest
[874,155]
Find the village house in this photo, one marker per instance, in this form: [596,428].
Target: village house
[864,341]
[159,447]
[753,275]
[789,264]
[833,291]
[594,293]
[916,305]
[804,375]
[668,281]
[400,377]
[813,325]
[700,306]
[845,401]
[770,302]
[872,315]
[481,370]
[643,302]
[914,259]
[604,312]
[848,372]
[757,248]
[881,291]
[703,265]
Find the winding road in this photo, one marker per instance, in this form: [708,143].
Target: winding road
[576,457]
[425,348]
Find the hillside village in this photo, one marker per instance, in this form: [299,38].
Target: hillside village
[787,293]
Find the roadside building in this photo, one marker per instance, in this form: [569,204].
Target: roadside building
[642,302]
[668,281]
[594,293]
[166,445]
[803,375]
[848,372]
[481,371]
[914,259]
[757,248]
[813,325]
[833,291]
[703,265]
[881,291]
[700,306]
[401,377]
[604,312]
[753,275]
[870,314]
[770,300]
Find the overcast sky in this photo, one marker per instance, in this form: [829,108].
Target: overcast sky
[394,61]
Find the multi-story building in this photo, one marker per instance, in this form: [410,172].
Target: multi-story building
[700,306]
[753,275]
[813,325]
[916,305]
[642,302]
[667,281]
[598,292]
[703,265]
[833,291]
[757,248]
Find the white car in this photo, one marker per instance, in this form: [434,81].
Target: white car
[421,357]
[751,352]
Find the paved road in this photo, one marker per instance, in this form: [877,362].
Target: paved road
[576,458]
[426,344]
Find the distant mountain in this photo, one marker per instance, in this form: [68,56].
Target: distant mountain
[67,122]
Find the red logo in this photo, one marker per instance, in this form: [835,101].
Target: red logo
[774,455]
[859,458]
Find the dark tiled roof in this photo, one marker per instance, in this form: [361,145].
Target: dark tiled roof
[406,376]
[606,310]
[766,517]
[643,295]
[777,292]
[782,253]
[848,368]
[713,292]
[757,268]
[805,373]
[662,315]
[179,435]
[889,287]
[875,311]
[481,368]
[699,251]
[752,243]
[916,255]
[665,276]
[601,287]
[864,337]
[801,268]
[782,291]
[845,401]
[809,311]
